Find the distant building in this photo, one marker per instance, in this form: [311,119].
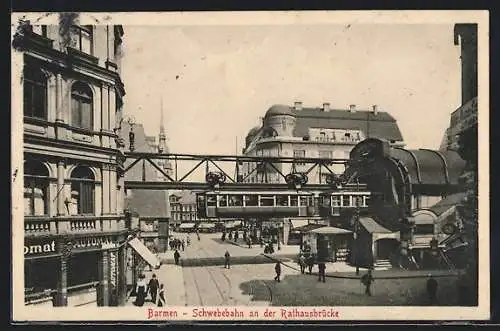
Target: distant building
[317,132]
[183,209]
[151,206]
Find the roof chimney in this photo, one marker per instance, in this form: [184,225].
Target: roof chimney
[352,108]
[298,105]
[326,106]
[375,109]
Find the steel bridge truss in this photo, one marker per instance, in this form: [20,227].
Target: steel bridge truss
[173,177]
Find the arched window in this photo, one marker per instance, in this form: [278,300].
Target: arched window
[81,106]
[36,187]
[82,191]
[35,93]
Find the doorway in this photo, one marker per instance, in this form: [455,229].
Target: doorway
[385,248]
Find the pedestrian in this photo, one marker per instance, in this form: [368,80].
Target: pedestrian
[236,236]
[432,287]
[182,244]
[310,263]
[140,291]
[277,268]
[321,271]
[188,240]
[153,288]
[161,296]
[230,237]
[171,244]
[367,280]
[227,260]
[249,242]
[302,263]
[177,256]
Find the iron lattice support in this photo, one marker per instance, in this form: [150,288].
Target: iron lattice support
[260,164]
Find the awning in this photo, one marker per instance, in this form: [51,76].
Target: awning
[206,225]
[144,252]
[330,230]
[308,227]
[298,223]
[186,226]
[371,226]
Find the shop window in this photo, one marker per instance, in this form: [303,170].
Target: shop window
[81,106]
[36,187]
[81,38]
[82,191]
[35,93]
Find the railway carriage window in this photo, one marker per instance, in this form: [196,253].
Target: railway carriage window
[222,200]
[294,201]
[235,200]
[267,200]
[335,201]
[211,200]
[304,201]
[282,200]
[366,200]
[251,200]
[346,201]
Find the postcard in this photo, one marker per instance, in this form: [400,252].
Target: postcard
[250,166]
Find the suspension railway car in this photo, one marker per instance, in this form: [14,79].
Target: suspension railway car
[331,203]
[257,203]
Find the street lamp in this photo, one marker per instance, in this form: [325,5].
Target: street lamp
[131,134]
[356,234]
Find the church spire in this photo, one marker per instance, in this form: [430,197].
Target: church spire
[161,138]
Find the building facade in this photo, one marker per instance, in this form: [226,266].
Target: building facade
[317,132]
[183,208]
[74,223]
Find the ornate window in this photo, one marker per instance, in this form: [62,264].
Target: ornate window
[81,106]
[35,93]
[36,187]
[82,191]
[81,38]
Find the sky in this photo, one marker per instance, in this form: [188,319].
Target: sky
[215,82]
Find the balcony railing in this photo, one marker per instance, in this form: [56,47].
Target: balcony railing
[46,225]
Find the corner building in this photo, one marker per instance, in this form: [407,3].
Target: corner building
[74,227]
[312,132]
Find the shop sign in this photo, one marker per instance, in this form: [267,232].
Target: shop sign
[112,269]
[40,248]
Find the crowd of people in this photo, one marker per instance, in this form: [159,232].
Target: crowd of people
[153,288]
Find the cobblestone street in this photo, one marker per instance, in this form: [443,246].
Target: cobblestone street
[202,280]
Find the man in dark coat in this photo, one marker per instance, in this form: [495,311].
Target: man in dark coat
[227,260]
[177,256]
[321,271]
[277,268]
[153,288]
[432,287]
[367,280]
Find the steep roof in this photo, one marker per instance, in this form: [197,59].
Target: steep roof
[447,203]
[279,110]
[380,125]
[372,226]
[148,203]
[185,197]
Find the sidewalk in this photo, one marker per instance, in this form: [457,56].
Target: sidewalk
[343,270]
[172,278]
